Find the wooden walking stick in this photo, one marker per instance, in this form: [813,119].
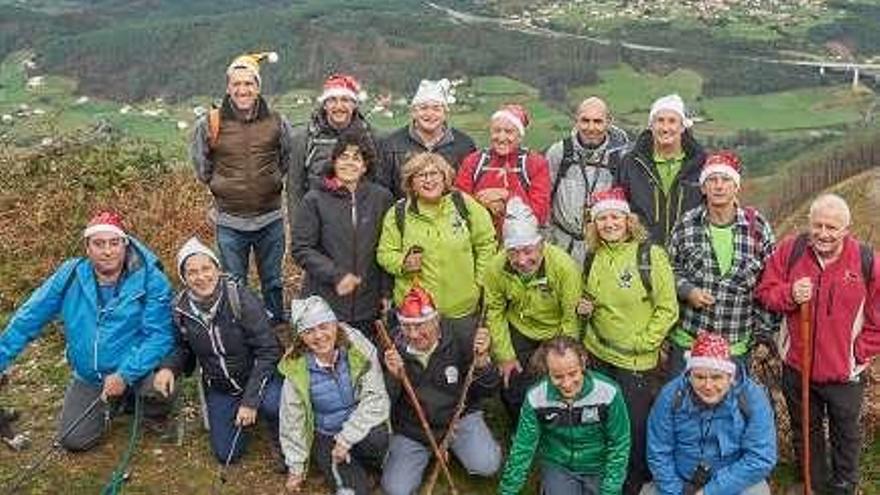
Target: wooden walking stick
[420,413]
[806,374]
[460,406]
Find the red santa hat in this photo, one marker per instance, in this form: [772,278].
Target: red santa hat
[417,306]
[341,85]
[711,351]
[516,115]
[105,221]
[609,199]
[722,162]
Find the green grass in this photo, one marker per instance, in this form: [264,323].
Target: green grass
[804,108]
[630,93]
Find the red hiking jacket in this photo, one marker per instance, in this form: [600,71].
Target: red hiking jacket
[845,314]
[502,172]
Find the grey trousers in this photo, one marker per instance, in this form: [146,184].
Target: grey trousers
[472,444]
[78,432]
[558,481]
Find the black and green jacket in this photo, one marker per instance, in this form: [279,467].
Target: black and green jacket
[589,436]
[638,174]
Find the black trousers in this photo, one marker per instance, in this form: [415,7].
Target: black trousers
[841,404]
[369,453]
[514,395]
[639,389]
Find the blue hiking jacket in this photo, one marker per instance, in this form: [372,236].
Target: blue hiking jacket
[129,336]
[738,437]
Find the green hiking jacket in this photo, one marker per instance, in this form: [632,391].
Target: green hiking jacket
[540,308]
[589,436]
[628,325]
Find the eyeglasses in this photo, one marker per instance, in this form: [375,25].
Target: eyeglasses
[428,175]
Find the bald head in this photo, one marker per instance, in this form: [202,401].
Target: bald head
[592,121]
[595,103]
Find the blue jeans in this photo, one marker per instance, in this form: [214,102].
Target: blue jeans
[268,246]
[222,409]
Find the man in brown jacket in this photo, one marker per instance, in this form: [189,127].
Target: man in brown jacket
[242,151]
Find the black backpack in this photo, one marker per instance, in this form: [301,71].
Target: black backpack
[644,266]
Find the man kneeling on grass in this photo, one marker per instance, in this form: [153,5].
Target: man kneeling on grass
[115,304]
[574,422]
[436,358]
[711,430]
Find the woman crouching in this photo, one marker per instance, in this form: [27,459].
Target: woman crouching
[333,398]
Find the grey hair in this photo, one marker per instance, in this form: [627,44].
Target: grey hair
[834,202]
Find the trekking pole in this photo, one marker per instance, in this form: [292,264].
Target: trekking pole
[121,474]
[460,407]
[340,488]
[420,413]
[806,374]
[217,486]
[22,479]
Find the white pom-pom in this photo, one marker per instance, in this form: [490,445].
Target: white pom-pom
[272,57]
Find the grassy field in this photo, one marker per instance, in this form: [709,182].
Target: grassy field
[55,108]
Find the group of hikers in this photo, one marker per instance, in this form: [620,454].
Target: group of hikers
[609,292]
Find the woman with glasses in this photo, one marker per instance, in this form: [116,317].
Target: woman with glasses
[436,237]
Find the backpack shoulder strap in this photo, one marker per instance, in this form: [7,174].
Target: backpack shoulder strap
[755,234]
[644,260]
[400,215]
[798,250]
[523,169]
[588,265]
[213,127]
[866,254]
[742,402]
[480,167]
[461,206]
[234,298]
[564,165]
[678,399]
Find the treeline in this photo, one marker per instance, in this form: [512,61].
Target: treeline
[810,176]
[858,30]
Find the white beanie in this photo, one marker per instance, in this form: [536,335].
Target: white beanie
[433,92]
[189,248]
[309,312]
[520,225]
[672,103]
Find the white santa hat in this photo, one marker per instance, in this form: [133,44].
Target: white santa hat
[520,225]
[308,313]
[190,248]
[672,103]
[433,92]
